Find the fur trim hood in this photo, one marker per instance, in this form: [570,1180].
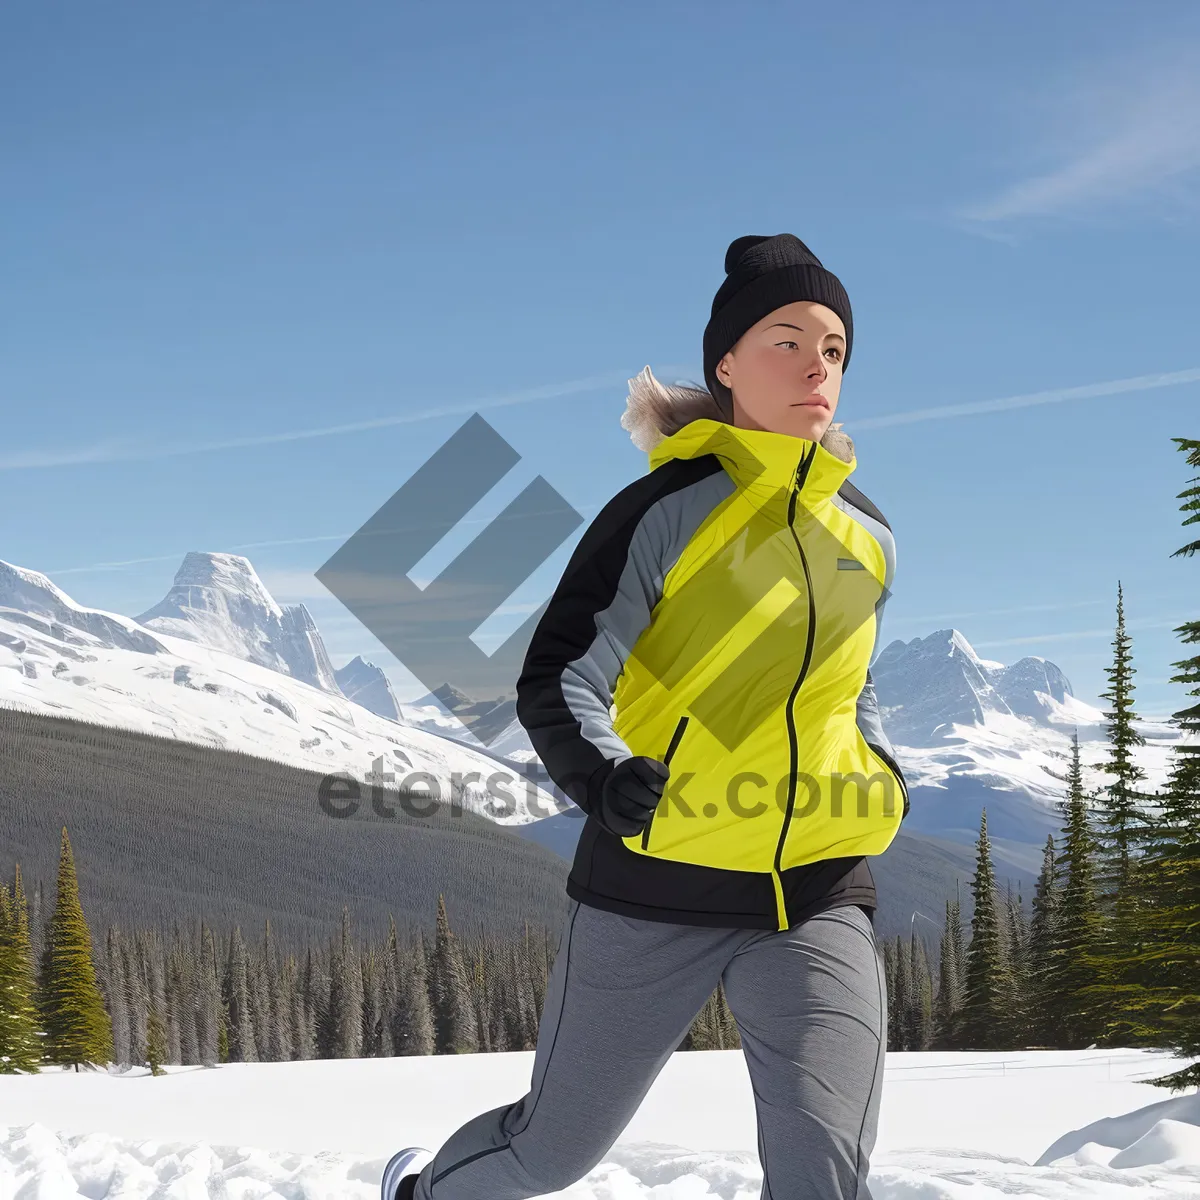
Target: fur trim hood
[654,411]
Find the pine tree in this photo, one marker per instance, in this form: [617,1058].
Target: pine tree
[209,1009]
[454,1023]
[239,1030]
[181,1002]
[153,971]
[301,1029]
[116,990]
[137,1004]
[261,1017]
[1123,827]
[1121,824]
[370,967]
[412,1030]
[78,1029]
[1042,931]
[1015,973]
[531,977]
[891,970]
[20,1027]
[276,1043]
[313,1005]
[1124,832]
[727,1028]
[480,988]
[948,1004]
[515,1000]
[1172,1001]
[904,993]
[343,1014]
[919,1018]
[539,959]
[982,1015]
[156,1040]
[500,999]
[1072,1020]
[1183,790]
[703,1034]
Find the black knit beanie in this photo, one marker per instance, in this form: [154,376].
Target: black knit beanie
[762,274]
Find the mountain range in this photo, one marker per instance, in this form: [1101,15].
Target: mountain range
[218,662]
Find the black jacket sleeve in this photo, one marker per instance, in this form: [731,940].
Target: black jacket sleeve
[604,600]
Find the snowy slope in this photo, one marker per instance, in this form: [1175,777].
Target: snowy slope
[1053,1125]
[57,657]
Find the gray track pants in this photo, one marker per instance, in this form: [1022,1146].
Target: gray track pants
[810,1005]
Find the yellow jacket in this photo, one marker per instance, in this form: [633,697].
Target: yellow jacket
[720,614]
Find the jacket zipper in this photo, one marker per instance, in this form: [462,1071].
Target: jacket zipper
[679,728]
[793,748]
[895,769]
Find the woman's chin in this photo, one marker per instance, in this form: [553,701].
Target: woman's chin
[802,421]
[810,425]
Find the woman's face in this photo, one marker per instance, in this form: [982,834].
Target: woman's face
[785,372]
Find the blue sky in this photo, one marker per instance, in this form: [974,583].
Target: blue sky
[260,261]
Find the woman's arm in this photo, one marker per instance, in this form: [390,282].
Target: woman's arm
[599,609]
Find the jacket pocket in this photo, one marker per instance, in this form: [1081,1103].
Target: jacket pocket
[671,748]
[894,767]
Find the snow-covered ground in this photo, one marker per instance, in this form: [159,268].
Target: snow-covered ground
[953,1126]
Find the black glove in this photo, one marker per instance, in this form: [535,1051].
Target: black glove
[631,794]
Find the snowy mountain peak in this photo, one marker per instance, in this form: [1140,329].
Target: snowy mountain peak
[951,642]
[30,599]
[450,697]
[366,684]
[1025,685]
[229,574]
[305,650]
[219,601]
[30,591]
[928,685]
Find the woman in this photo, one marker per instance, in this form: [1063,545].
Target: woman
[699,686]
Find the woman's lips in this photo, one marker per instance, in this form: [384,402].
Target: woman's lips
[814,401]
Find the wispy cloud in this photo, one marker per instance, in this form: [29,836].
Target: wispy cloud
[271,543]
[121,451]
[1087,391]
[131,450]
[932,618]
[1057,606]
[1121,131]
[1073,634]
[1053,396]
[108,450]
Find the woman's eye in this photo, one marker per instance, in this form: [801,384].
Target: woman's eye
[787,343]
[834,350]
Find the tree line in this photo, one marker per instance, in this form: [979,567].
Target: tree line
[1110,954]
[201,999]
